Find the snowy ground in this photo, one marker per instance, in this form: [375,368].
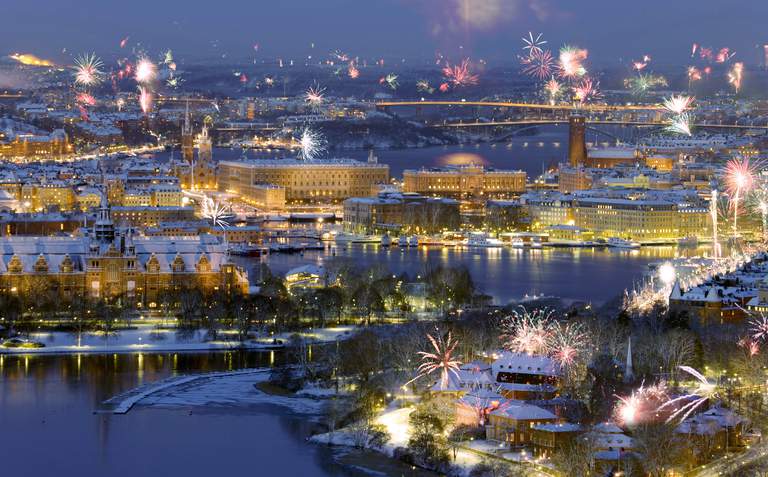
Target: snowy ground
[395,420]
[147,338]
[214,390]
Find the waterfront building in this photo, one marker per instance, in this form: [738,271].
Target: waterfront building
[148,216]
[113,263]
[642,217]
[547,209]
[470,181]
[266,197]
[506,215]
[303,181]
[401,213]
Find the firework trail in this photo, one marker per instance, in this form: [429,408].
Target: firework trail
[735,75]
[533,44]
[439,359]
[312,144]
[681,124]
[88,70]
[694,75]
[703,393]
[678,104]
[641,405]
[751,346]
[739,179]
[145,99]
[352,71]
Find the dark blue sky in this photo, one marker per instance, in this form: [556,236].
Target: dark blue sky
[610,29]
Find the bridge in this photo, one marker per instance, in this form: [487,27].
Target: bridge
[619,122]
[519,105]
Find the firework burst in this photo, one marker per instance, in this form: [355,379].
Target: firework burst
[315,96]
[390,80]
[215,212]
[641,405]
[460,75]
[586,90]
[759,327]
[538,64]
[146,71]
[533,44]
[439,359]
[311,144]
[570,62]
[641,84]
[566,343]
[751,346]
[678,104]
[694,75]
[553,89]
[88,70]
[704,392]
[528,332]
[423,86]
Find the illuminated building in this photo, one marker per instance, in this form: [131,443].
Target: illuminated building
[303,181]
[29,145]
[464,182]
[141,216]
[571,179]
[545,210]
[47,196]
[401,213]
[110,263]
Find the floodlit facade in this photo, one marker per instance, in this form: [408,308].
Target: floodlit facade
[464,181]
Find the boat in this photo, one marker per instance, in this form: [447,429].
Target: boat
[386,240]
[413,241]
[517,243]
[536,243]
[689,241]
[402,241]
[480,239]
[249,250]
[617,242]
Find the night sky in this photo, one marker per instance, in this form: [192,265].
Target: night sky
[610,29]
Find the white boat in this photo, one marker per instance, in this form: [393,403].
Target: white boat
[480,239]
[402,241]
[535,243]
[386,240]
[617,242]
[356,238]
[413,241]
[518,243]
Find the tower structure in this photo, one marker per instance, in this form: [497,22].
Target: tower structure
[577,145]
[187,138]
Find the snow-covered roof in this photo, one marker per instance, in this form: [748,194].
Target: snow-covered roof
[521,363]
[523,412]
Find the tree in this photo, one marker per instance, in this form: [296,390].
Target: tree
[328,302]
[190,304]
[660,447]
[428,441]
[577,457]
[491,468]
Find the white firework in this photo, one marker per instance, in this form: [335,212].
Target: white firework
[703,392]
[678,104]
[681,124]
[215,212]
[312,144]
[88,70]
[315,96]
[533,44]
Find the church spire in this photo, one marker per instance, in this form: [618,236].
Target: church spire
[629,373]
